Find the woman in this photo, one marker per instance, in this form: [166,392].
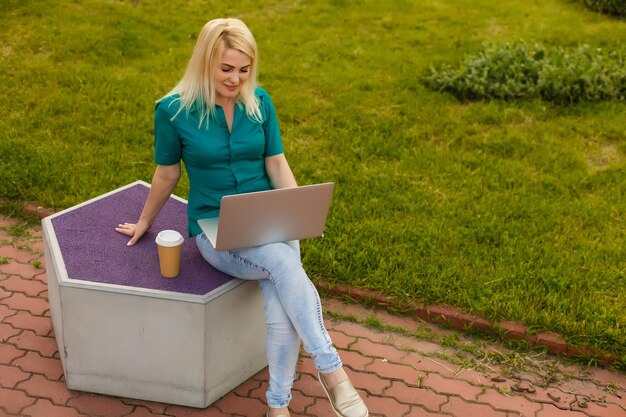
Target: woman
[224,128]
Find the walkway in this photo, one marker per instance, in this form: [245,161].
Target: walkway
[403,367]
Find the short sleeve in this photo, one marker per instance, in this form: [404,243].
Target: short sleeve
[167,146]
[273,139]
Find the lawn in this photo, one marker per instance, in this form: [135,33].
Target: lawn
[509,210]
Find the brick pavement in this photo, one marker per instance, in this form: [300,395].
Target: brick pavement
[402,367]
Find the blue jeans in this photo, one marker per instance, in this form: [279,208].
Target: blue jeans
[292,309]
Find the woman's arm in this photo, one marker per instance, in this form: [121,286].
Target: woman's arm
[164,180]
[278,170]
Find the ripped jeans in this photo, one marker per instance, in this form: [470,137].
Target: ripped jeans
[292,309]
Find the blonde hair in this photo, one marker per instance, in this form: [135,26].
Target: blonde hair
[197,90]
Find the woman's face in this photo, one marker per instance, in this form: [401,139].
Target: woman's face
[230,73]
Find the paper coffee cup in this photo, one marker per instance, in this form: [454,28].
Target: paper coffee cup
[170,245]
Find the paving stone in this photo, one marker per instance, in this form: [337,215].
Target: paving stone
[340,340]
[18,255]
[19,301]
[99,405]
[7,414]
[589,390]
[355,361]
[458,407]
[3,293]
[244,389]
[403,322]
[7,221]
[534,379]
[28,340]
[35,232]
[13,401]
[7,332]
[44,407]
[332,303]
[606,377]
[11,375]
[413,395]
[345,309]
[426,364]
[420,412]
[263,374]
[55,391]
[551,395]
[43,277]
[16,268]
[240,405]
[38,246]
[5,312]
[259,393]
[447,386]
[354,329]
[617,398]
[512,403]
[416,345]
[305,366]
[143,412]
[309,386]
[594,409]
[299,403]
[8,353]
[177,411]
[386,406]
[30,287]
[549,410]
[473,377]
[371,383]
[377,350]
[321,407]
[5,237]
[34,362]
[152,406]
[395,372]
[40,325]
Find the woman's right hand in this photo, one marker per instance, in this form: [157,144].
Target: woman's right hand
[134,230]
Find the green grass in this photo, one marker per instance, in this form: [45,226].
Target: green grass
[514,211]
[18,230]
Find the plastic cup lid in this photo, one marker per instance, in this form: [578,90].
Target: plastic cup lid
[169,238]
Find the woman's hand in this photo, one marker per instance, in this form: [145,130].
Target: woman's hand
[164,180]
[135,231]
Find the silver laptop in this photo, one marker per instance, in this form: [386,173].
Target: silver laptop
[258,218]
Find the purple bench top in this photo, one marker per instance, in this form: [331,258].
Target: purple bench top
[93,251]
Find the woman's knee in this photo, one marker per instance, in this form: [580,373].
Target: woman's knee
[275,315]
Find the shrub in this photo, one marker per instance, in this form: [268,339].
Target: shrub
[614,7]
[517,71]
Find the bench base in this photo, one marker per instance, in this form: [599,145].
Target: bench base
[150,344]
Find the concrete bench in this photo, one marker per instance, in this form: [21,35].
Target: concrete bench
[123,330]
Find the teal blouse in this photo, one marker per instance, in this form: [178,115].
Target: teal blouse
[218,162]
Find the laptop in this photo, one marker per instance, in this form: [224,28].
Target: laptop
[259,218]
